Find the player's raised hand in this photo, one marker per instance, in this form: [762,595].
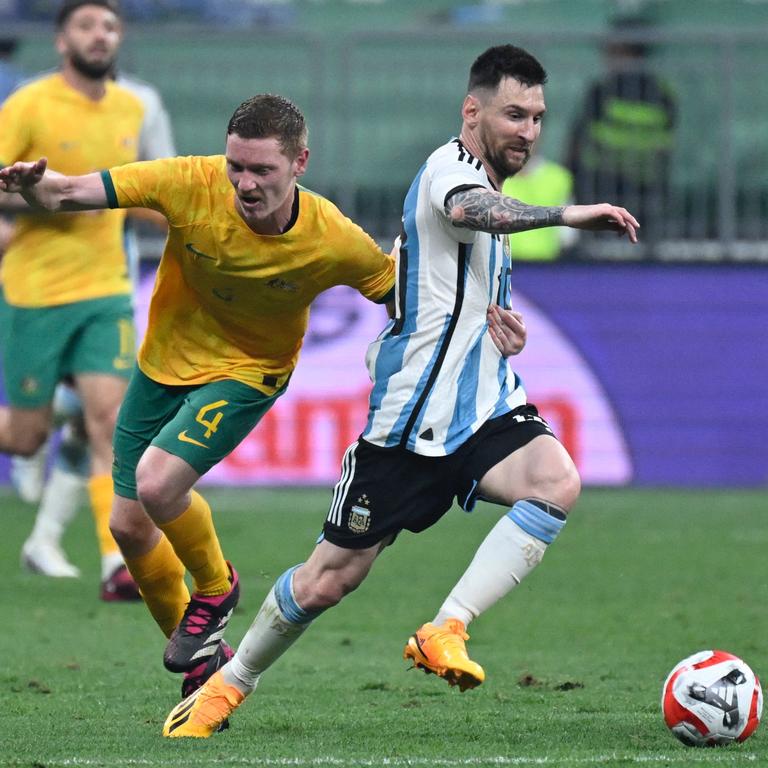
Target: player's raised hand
[507,330]
[21,176]
[49,191]
[602,217]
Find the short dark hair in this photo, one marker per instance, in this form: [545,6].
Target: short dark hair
[502,61]
[269,116]
[68,7]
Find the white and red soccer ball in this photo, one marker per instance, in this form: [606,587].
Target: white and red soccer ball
[712,698]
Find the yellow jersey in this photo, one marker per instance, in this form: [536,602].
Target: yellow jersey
[228,302]
[63,258]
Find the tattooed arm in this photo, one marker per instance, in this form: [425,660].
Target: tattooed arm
[484,210]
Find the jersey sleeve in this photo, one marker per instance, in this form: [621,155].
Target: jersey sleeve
[155,184]
[445,179]
[451,177]
[367,267]
[17,118]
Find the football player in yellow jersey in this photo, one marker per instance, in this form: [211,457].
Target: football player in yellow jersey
[65,279]
[247,252]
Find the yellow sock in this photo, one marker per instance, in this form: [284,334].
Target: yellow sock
[194,538]
[101,493]
[160,576]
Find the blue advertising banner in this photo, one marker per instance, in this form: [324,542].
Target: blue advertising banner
[651,375]
[682,356]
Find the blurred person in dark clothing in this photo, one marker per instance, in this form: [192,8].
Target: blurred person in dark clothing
[621,142]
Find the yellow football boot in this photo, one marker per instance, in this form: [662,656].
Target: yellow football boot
[441,651]
[201,714]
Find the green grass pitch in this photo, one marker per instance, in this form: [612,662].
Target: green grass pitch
[575,657]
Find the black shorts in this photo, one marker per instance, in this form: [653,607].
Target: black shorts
[385,490]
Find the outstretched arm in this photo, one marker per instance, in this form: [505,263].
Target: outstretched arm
[46,190]
[488,211]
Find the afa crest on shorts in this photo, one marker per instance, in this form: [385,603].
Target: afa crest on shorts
[360,516]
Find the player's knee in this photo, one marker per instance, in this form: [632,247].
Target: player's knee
[130,533]
[556,480]
[133,530]
[100,420]
[153,491]
[570,488]
[29,442]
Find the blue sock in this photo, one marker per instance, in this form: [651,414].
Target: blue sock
[286,602]
[540,519]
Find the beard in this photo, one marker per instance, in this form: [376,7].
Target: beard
[498,160]
[94,70]
[503,167]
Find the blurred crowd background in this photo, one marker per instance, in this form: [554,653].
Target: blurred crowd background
[381,82]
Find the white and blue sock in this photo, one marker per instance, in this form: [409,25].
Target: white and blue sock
[278,624]
[512,549]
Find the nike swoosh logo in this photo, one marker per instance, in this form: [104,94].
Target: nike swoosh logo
[186,439]
[225,295]
[200,255]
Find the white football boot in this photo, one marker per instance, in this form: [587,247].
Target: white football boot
[48,559]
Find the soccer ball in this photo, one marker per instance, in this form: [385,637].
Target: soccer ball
[712,698]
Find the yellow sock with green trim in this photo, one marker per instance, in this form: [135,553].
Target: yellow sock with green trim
[160,576]
[195,541]
[101,494]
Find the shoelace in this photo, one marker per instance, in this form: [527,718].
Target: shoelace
[196,620]
[454,642]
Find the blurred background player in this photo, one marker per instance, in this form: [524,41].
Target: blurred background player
[10,77]
[621,142]
[66,279]
[63,492]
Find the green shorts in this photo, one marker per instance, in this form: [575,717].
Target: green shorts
[43,345]
[200,424]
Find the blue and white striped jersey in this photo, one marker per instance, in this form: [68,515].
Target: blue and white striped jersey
[437,375]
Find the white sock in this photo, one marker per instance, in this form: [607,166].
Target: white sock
[63,495]
[269,636]
[28,473]
[506,556]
